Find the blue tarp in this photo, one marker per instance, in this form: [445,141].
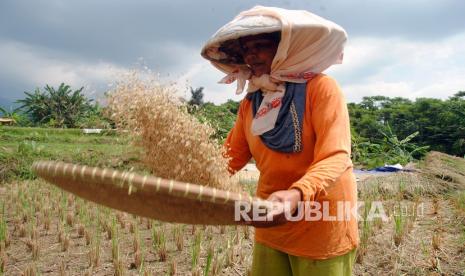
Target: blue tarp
[384,169]
[387,169]
[357,171]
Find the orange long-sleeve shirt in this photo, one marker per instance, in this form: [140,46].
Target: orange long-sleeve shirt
[322,171]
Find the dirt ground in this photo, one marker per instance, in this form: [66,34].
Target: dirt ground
[51,232]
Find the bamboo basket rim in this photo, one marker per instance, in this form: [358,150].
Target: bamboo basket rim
[147,195]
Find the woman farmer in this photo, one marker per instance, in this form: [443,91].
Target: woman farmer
[294,122]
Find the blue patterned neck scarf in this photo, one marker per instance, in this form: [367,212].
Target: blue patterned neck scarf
[286,136]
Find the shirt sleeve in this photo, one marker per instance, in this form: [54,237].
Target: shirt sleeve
[237,147]
[330,120]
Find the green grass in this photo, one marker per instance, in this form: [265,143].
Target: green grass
[459,199]
[54,135]
[27,130]
[3,226]
[195,248]
[457,164]
[249,184]
[399,226]
[20,147]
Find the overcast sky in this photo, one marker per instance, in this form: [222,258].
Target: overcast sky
[412,48]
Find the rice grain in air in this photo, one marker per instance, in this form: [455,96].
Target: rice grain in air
[175,144]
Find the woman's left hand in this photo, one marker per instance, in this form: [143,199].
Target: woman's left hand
[290,199]
[283,201]
[292,196]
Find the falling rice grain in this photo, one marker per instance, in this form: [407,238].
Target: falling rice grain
[176,145]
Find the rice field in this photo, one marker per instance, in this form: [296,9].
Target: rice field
[44,230]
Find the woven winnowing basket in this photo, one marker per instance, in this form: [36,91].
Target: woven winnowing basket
[144,195]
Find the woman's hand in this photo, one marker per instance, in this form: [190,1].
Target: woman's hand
[288,197]
[282,201]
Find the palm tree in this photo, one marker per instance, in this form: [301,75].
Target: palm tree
[12,116]
[7,114]
[196,96]
[61,105]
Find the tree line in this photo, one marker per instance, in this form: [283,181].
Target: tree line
[383,129]
[439,124]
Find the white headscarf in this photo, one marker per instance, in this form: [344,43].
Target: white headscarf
[309,45]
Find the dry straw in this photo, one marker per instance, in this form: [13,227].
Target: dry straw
[176,145]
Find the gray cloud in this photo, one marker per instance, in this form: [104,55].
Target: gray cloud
[121,31]
[168,34]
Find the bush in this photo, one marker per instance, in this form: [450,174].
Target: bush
[389,150]
[16,163]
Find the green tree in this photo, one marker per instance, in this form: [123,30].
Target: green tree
[219,117]
[7,114]
[232,106]
[95,117]
[60,107]
[20,118]
[459,95]
[440,123]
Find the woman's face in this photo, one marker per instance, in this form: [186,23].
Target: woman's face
[258,52]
